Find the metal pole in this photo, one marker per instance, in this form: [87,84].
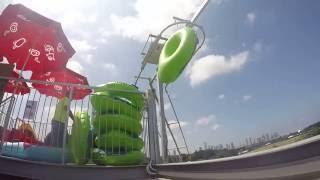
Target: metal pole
[65,131]
[178,121]
[64,84]
[154,149]
[164,138]
[199,11]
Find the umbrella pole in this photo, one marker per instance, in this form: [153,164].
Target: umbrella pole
[24,65]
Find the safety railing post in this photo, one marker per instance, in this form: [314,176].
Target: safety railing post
[6,122]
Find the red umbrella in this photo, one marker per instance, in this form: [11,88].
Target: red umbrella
[17,87]
[32,41]
[63,76]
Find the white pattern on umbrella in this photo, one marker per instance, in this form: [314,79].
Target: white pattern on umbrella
[18,43]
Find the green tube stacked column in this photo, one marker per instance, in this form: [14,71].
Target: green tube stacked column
[117,124]
[79,138]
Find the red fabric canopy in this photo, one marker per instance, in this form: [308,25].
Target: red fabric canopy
[60,91]
[33,41]
[16,87]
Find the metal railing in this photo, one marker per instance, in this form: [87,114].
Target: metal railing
[116,126]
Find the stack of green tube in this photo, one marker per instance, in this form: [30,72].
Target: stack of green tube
[79,138]
[117,124]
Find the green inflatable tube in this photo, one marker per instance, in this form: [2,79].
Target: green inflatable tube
[79,137]
[118,140]
[99,157]
[176,54]
[101,123]
[117,89]
[103,103]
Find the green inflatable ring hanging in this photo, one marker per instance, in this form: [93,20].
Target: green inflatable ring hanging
[103,103]
[116,89]
[102,123]
[118,140]
[131,158]
[176,54]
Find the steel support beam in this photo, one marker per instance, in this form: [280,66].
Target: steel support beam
[154,148]
[164,138]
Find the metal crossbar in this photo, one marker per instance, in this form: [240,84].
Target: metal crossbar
[64,84]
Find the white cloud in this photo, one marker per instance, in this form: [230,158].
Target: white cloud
[208,121]
[152,16]
[109,66]
[88,58]
[221,96]
[105,34]
[246,97]
[204,121]
[75,66]
[66,11]
[215,127]
[176,125]
[213,65]
[74,15]
[82,45]
[251,17]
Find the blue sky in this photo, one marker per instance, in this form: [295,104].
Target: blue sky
[257,72]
